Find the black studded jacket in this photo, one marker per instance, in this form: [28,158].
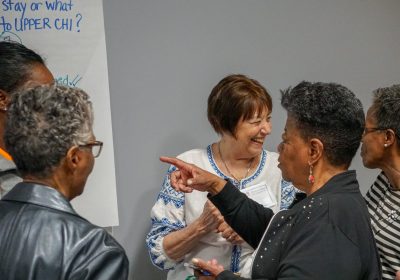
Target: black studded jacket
[326,235]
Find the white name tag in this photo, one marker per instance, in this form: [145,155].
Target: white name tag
[261,194]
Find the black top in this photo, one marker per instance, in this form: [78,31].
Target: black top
[327,235]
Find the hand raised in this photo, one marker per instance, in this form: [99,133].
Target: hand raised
[190,177]
[211,266]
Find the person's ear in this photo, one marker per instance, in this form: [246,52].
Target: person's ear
[73,158]
[4,100]
[390,137]
[315,151]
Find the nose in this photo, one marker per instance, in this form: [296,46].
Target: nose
[279,148]
[362,137]
[266,128]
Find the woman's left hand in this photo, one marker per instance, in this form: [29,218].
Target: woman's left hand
[229,234]
[211,266]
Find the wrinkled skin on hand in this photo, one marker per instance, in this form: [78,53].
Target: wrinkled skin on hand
[229,234]
[210,218]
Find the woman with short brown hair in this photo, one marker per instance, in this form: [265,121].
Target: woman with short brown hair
[188,225]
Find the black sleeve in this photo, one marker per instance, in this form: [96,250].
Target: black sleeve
[247,217]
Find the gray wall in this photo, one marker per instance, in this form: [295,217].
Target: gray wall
[165,55]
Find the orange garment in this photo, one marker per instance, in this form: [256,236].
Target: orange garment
[5,155]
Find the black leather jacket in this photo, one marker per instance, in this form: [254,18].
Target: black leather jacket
[42,237]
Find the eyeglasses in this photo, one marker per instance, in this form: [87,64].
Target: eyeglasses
[372,129]
[95,146]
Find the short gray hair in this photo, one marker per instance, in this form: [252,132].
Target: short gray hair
[329,112]
[386,107]
[43,123]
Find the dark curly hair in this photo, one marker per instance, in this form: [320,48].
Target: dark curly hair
[329,112]
[16,62]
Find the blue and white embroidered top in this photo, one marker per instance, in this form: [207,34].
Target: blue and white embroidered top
[174,210]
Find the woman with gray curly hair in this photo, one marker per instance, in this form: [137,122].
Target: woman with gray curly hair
[49,135]
[326,233]
[381,149]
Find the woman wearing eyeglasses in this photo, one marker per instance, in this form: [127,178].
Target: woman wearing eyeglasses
[188,225]
[19,66]
[381,149]
[49,133]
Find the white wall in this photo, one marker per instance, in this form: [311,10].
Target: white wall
[165,56]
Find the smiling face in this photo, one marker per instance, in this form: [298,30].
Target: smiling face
[293,155]
[250,134]
[372,149]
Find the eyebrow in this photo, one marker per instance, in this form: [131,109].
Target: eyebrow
[260,117]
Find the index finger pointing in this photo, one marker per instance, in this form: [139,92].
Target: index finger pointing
[174,161]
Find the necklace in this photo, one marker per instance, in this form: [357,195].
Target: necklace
[226,166]
[392,215]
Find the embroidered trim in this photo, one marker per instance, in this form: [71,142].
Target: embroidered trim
[178,203]
[169,194]
[259,168]
[288,193]
[165,222]
[242,184]
[160,229]
[235,259]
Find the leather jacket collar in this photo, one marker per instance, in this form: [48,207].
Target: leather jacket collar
[40,195]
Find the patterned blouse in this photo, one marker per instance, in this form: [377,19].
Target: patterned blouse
[384,207]
[175,210]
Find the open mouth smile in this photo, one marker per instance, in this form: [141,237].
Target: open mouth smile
[258,140]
